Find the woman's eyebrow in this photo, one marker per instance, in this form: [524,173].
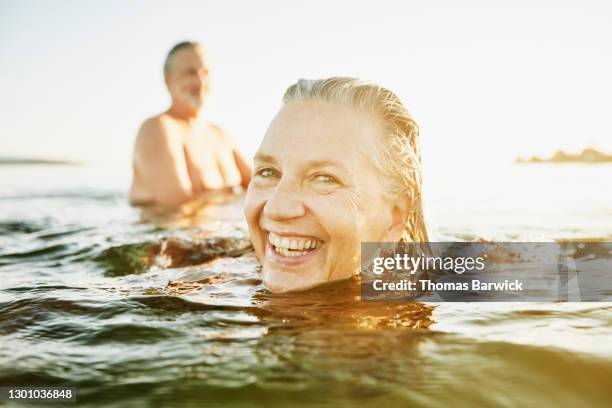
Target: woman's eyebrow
[264,158]
[328,163]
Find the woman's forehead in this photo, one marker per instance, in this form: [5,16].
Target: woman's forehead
[343,149]
[320,126]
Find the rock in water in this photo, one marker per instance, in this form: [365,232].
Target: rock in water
[180,252]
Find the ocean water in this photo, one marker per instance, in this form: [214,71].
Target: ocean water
[137,310]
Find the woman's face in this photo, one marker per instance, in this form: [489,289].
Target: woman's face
[316,195]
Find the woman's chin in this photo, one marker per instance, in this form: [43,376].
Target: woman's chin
[281,282]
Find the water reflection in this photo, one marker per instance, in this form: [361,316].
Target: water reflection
[206,212]
[338,305]
[324,341]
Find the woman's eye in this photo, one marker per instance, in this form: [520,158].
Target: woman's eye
[325,178]
[267,172]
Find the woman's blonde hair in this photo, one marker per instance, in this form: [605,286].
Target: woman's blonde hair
[399,158]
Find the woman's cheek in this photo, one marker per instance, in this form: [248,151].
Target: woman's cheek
[253,208]
[340,222]
[254,201]
[349,223]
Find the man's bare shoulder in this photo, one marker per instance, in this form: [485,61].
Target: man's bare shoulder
[157,136]
[157,124]
[156,130]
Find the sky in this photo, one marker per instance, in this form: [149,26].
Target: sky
[487,81]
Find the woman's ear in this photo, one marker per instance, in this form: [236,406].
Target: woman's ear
[400,210]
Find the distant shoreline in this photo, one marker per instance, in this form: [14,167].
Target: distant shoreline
[29,161]
[588,156]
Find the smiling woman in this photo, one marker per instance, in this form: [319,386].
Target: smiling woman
[339,165]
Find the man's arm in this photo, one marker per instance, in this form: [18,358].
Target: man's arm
[244,168]
[160,159]
[241,163]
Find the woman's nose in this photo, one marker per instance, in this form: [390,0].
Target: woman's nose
[284,203]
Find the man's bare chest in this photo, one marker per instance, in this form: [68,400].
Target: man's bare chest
[209,161]
[204,151]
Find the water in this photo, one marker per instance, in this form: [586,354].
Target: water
[89,297]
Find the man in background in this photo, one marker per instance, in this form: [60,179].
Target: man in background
[179,155]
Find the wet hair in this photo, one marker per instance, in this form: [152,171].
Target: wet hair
[399,157]
[185,45]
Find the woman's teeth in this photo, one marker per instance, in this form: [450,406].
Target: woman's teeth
[292,246]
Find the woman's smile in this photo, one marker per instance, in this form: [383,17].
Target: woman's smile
[292,250]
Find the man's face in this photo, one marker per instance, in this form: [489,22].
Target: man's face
[315,195]
[187,80]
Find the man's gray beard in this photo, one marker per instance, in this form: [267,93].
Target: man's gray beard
[195,102]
